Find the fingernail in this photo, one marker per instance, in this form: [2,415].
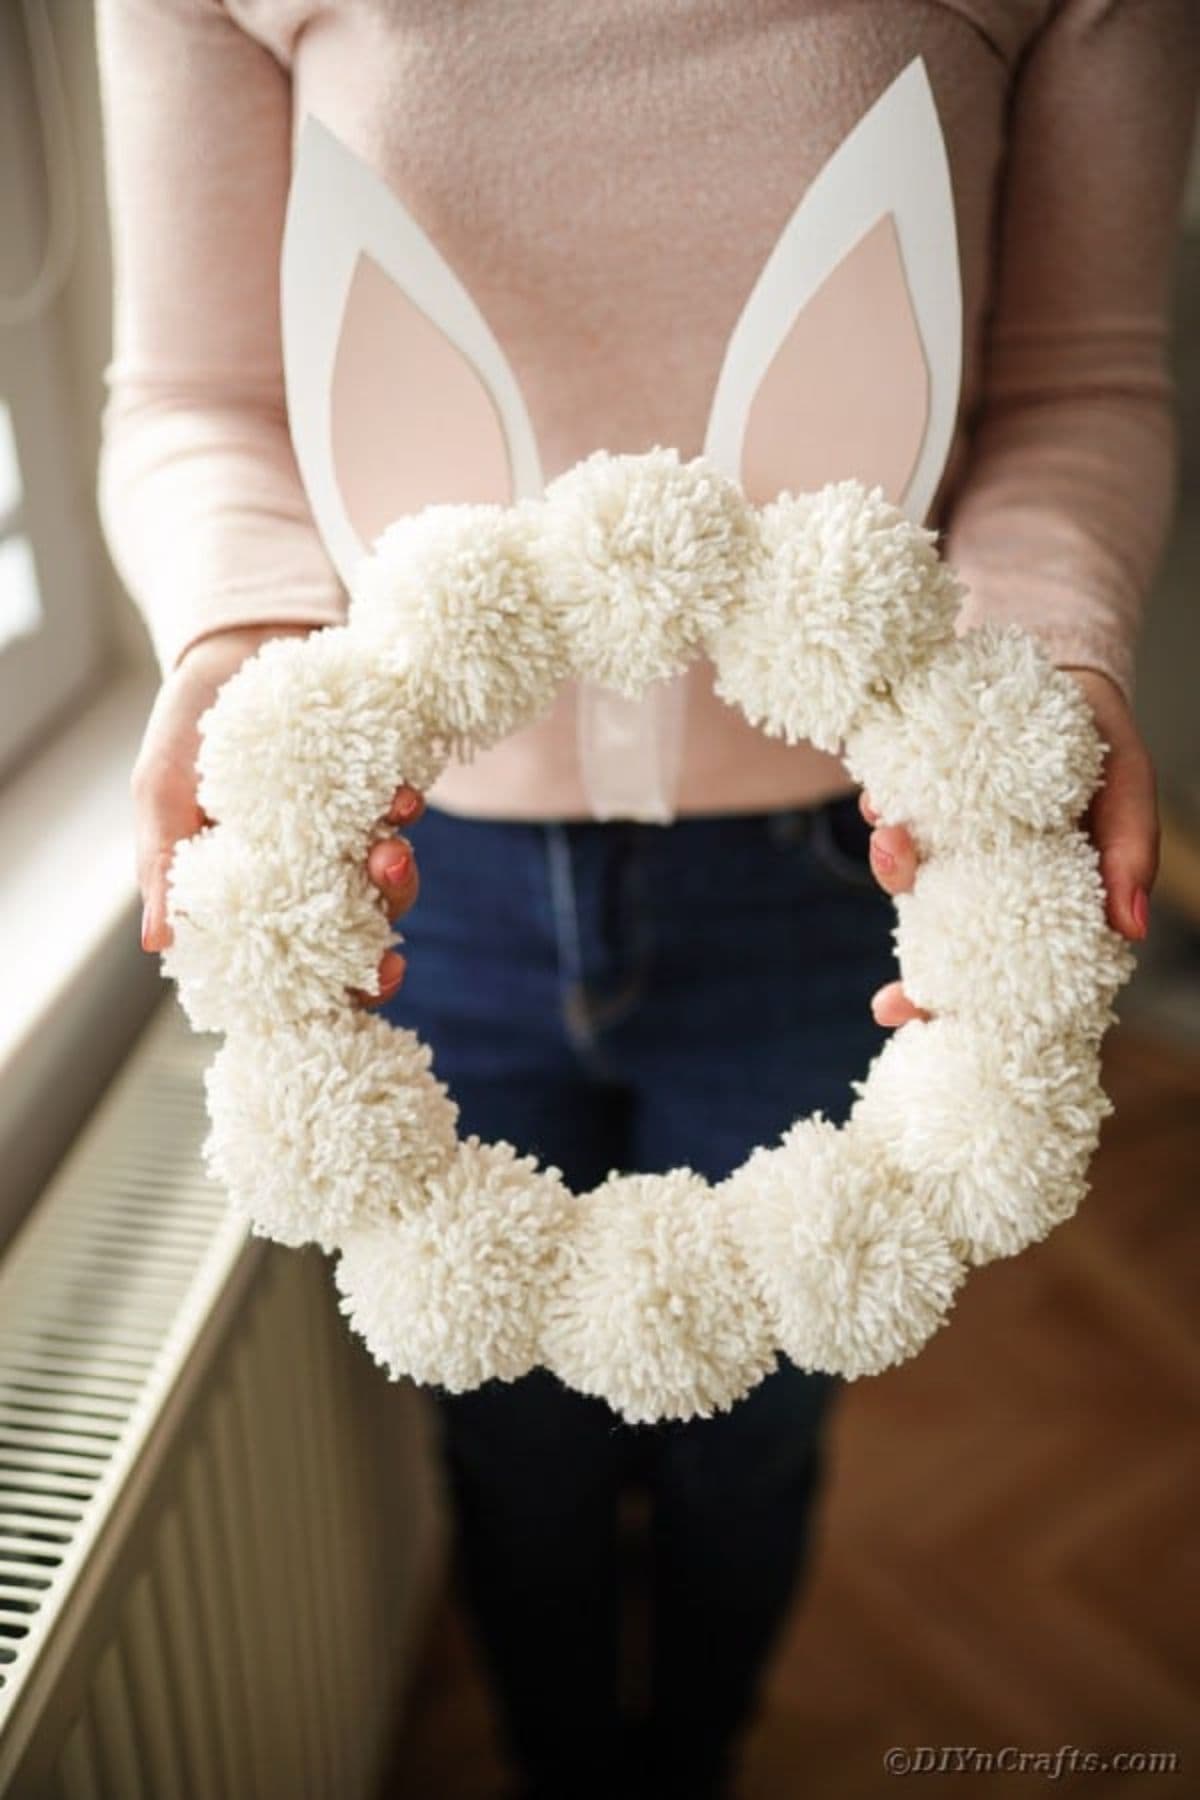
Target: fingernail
[145,925]
[883,859]
[407,805]
[1141,911]
[395,873]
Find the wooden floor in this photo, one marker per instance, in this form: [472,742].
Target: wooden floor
[1009,1542]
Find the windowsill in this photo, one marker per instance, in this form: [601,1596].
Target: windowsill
[76,984]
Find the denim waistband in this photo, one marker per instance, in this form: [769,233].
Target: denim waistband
[692,848]
[786,823]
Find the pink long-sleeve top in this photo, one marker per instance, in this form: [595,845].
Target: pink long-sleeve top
[608,182]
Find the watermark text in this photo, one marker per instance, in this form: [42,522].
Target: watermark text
[1066,1759]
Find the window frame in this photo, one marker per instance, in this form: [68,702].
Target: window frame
[43,672]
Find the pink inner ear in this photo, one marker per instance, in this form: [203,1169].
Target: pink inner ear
[847,392]
[412,422]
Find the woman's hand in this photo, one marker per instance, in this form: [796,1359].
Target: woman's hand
[393,868]
[1122,821]
[164,781]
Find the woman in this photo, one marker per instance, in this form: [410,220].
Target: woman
[622,961]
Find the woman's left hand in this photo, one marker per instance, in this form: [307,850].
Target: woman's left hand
[1122,821]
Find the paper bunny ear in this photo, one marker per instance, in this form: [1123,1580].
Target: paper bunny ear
[398,394]
[847,357]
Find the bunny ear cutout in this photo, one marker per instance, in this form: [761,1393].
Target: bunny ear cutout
[847,391]
[847,357]
[411,422]
[398,394]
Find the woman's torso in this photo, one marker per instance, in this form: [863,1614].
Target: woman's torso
[607,181]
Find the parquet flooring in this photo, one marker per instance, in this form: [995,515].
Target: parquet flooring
[1009,1547]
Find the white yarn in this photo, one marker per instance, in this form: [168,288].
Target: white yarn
[644,556]
[826,616]
[452,1292]
[334,1123]
[981,737]
[994,1136]
[854,1273]
[846,592]
[453,592]
[306,714]
[654,1308]
[265,934]
[1020,935]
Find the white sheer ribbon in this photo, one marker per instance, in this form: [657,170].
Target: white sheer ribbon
[630,750]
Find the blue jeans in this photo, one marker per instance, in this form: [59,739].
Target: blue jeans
[616,994]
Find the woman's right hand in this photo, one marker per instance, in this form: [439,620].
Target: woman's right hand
[164,780]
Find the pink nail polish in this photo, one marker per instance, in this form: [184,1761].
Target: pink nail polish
[1141,911]
[396,872]
[883,859]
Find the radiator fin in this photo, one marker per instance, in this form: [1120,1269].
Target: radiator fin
[218,1521]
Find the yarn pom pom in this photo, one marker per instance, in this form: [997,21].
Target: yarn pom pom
[643,558]
[336,1122]
[456,595]
[854,1274]
[261,938]
[1020,934]
[995,1142]
[987,734]
[655,1310]
[307,740]
[452,1293]
[845,592]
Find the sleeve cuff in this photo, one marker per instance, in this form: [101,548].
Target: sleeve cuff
[173,636]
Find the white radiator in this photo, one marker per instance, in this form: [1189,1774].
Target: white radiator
[219,1523]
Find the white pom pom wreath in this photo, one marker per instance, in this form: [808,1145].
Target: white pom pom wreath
[854,1274]
[846,592]
[826,616]
[654,1308]
[452,1293]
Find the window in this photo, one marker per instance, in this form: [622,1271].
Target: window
[20,603]
[51,622]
